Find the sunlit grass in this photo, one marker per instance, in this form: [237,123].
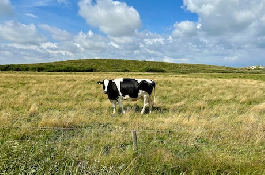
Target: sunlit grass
[62,123]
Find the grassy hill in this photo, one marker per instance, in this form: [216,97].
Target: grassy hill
[114,65]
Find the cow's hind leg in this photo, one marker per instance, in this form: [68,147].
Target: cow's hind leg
[121,105]
[113,102]
[150,104]
[145,103]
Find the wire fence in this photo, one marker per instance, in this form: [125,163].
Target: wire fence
[133,137]
[88,149]
[95,136]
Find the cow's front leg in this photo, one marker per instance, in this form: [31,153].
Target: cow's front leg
[121,105]
[113,102]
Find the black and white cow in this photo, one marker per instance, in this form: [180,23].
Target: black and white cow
[126,88]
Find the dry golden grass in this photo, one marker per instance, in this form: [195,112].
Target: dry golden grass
[216,120]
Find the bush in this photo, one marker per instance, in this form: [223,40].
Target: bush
[152,69]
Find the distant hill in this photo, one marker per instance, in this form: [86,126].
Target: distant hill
[115,65]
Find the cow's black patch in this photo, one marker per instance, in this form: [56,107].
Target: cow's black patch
[145,86]
[129,87]
[112,91]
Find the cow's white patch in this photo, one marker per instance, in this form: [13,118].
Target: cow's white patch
[126,97]
[149,81]
[106,83]
[147,100]
[113,102]
[142,93]
[118,84]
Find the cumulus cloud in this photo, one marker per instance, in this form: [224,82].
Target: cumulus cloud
[6,8]
[222,16]
[228,32]
[185,28]
[111,17]
[17,32]
[57,34]
[126,44]
[90,42]
[21,53]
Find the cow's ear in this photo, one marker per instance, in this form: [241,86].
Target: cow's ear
[100,82]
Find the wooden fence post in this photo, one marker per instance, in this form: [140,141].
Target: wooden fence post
[134,139]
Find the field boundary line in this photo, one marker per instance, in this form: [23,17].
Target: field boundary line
[110,129]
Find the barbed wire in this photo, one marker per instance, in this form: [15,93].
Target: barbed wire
[87,128]
[115,129]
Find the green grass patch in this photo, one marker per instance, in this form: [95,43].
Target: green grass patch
[62,123]
[114,65]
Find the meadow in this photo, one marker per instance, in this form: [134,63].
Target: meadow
[62,123]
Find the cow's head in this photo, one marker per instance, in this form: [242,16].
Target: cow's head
[105,85]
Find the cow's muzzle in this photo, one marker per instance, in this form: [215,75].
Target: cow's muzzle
[105,92]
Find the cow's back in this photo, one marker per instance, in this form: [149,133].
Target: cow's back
[129,87]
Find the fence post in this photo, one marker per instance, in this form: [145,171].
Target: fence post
[134,139]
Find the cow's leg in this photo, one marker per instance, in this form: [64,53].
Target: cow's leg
[150,104]
[121,105]
[113,102]
[145,103]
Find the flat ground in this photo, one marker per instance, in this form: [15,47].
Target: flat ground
[201,123]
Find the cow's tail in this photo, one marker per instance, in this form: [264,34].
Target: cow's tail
[154,86]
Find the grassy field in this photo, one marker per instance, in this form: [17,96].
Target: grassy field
[61,123]
[117,65]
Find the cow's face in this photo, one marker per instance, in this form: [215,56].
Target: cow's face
[105,84]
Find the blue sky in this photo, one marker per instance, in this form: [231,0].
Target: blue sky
[221,32]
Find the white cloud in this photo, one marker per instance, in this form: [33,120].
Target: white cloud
[174,60]
[111,17]
[91,42]
[123,39]
[185,28]
[222,16]
[6,8]
[117,46]
[168,59]
[12,31]
[153,39]
[31,15]
[127,44]
[228,32]
[48,45]
[21,53]
[57,34]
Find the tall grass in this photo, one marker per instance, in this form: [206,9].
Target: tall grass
[61,123]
